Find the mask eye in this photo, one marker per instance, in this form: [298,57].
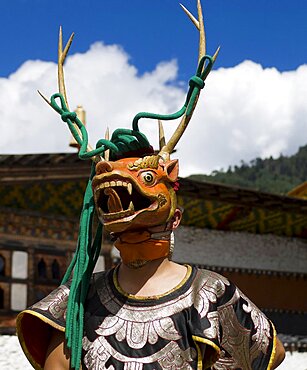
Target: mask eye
[148,177]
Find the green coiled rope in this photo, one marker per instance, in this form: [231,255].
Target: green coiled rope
[196,83]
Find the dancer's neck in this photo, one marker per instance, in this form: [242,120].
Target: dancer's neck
[154,278]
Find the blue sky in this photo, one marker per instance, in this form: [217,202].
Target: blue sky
[270,32]
[131,56]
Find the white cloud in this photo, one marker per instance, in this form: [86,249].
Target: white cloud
[245,111]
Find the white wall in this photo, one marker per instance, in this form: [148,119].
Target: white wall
[240,249]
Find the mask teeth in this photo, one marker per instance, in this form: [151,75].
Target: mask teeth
[129,187]
[117,215]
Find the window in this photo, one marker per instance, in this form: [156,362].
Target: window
[55,269]
[18,296]
[2,266]
[19,265]
[41,268]
[1,298]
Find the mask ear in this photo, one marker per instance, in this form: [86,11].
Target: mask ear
[172,170]
[175,221]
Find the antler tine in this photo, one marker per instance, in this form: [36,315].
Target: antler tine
[216,54]
[199,24]
[107,137]
[61,59]
[46,99]
[169,147]
[62,54]
[202,34]
[161,135]
[190,15]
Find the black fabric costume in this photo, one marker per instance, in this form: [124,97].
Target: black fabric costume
[203,323]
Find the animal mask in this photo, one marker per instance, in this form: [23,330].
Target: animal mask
[135,193]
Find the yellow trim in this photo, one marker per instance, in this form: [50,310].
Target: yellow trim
[272,358]
[139,297]
[23,343]
[21,336]
[208,362]
[199,357]
[44,319]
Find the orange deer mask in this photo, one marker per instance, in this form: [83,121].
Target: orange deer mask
[135,193]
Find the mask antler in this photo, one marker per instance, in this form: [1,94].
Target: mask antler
[61,59]
[62,54]
[199,24]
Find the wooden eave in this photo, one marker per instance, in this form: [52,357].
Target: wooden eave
[42,167]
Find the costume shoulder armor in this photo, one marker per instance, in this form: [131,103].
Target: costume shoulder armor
[243,336]
[34,325]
